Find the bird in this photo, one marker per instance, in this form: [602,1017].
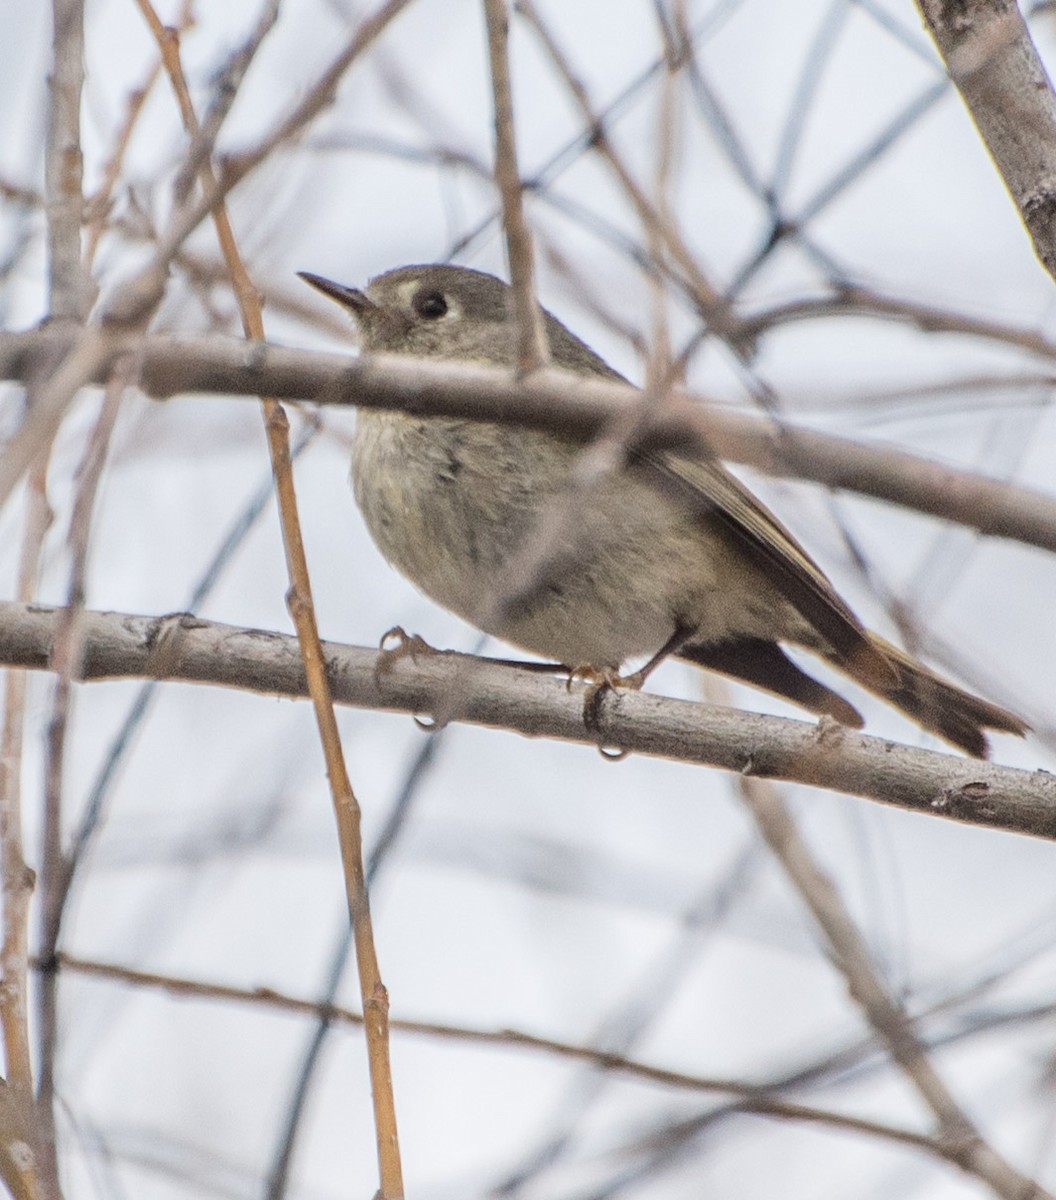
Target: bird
[666,555]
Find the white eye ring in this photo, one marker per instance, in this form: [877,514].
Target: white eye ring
[430,305]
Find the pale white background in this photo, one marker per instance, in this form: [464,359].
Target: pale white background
[535,886]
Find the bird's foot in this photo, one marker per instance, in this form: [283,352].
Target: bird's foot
[601,681]
[397,643]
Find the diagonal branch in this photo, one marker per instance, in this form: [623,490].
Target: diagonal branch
[300,603]
[962,1141]
[992,59]
[571,405]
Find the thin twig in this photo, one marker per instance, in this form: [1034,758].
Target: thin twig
[71,294]
[18,878]
[227,82]
[57,869]
[658,366]
[299,601]
[533,348]
[71,290]
[86,360]
[99,202]
[133,305]
[748,1098]
[712,306]
[850,301]
[296,1108]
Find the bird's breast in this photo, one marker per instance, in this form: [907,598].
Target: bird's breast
[447,501]
[462,509]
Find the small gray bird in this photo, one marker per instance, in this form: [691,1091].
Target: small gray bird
[667,555]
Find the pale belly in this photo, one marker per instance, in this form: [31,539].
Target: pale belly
[600,575]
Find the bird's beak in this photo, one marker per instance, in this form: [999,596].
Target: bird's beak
[359,302]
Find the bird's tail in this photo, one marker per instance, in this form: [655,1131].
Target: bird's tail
[878,666]
[934,703]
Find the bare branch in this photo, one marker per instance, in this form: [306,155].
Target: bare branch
[712,306]
[572,405]
[347,812]
[748,1098]
[991,57]
[57,869]
[533,349]
[18,1114]
[496,695]
[963,1142]
[72,291]
[865,302]
[133,304]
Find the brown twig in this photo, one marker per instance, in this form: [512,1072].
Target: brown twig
[299,601]
[865,302]
[961,1141]
[57,869]
[533,349]
[496,695]
[71,293]
[18,878]
[99,201]
[747,1098]
[87,359]
[658,367]
[133,305]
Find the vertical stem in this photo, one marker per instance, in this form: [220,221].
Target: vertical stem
[18,879]
[70,287]
[58,868]
[374,996]
[533,348]
[70,297]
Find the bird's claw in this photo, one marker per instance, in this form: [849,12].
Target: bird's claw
[601,681]
[397,643]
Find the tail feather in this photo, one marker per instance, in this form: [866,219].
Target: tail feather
[927,698]
[765,665]
[940,706]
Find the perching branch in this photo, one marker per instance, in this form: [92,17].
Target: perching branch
[496,695]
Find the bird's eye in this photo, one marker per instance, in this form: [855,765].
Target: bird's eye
[430,305]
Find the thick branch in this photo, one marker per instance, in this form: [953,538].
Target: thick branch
[455,687]
[991,57]
[572,405]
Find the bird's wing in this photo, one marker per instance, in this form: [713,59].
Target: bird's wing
[708,488]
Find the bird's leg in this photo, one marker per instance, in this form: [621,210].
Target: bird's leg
[602,681]
[683,632]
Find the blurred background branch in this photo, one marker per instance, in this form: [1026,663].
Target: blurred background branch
[786,208]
